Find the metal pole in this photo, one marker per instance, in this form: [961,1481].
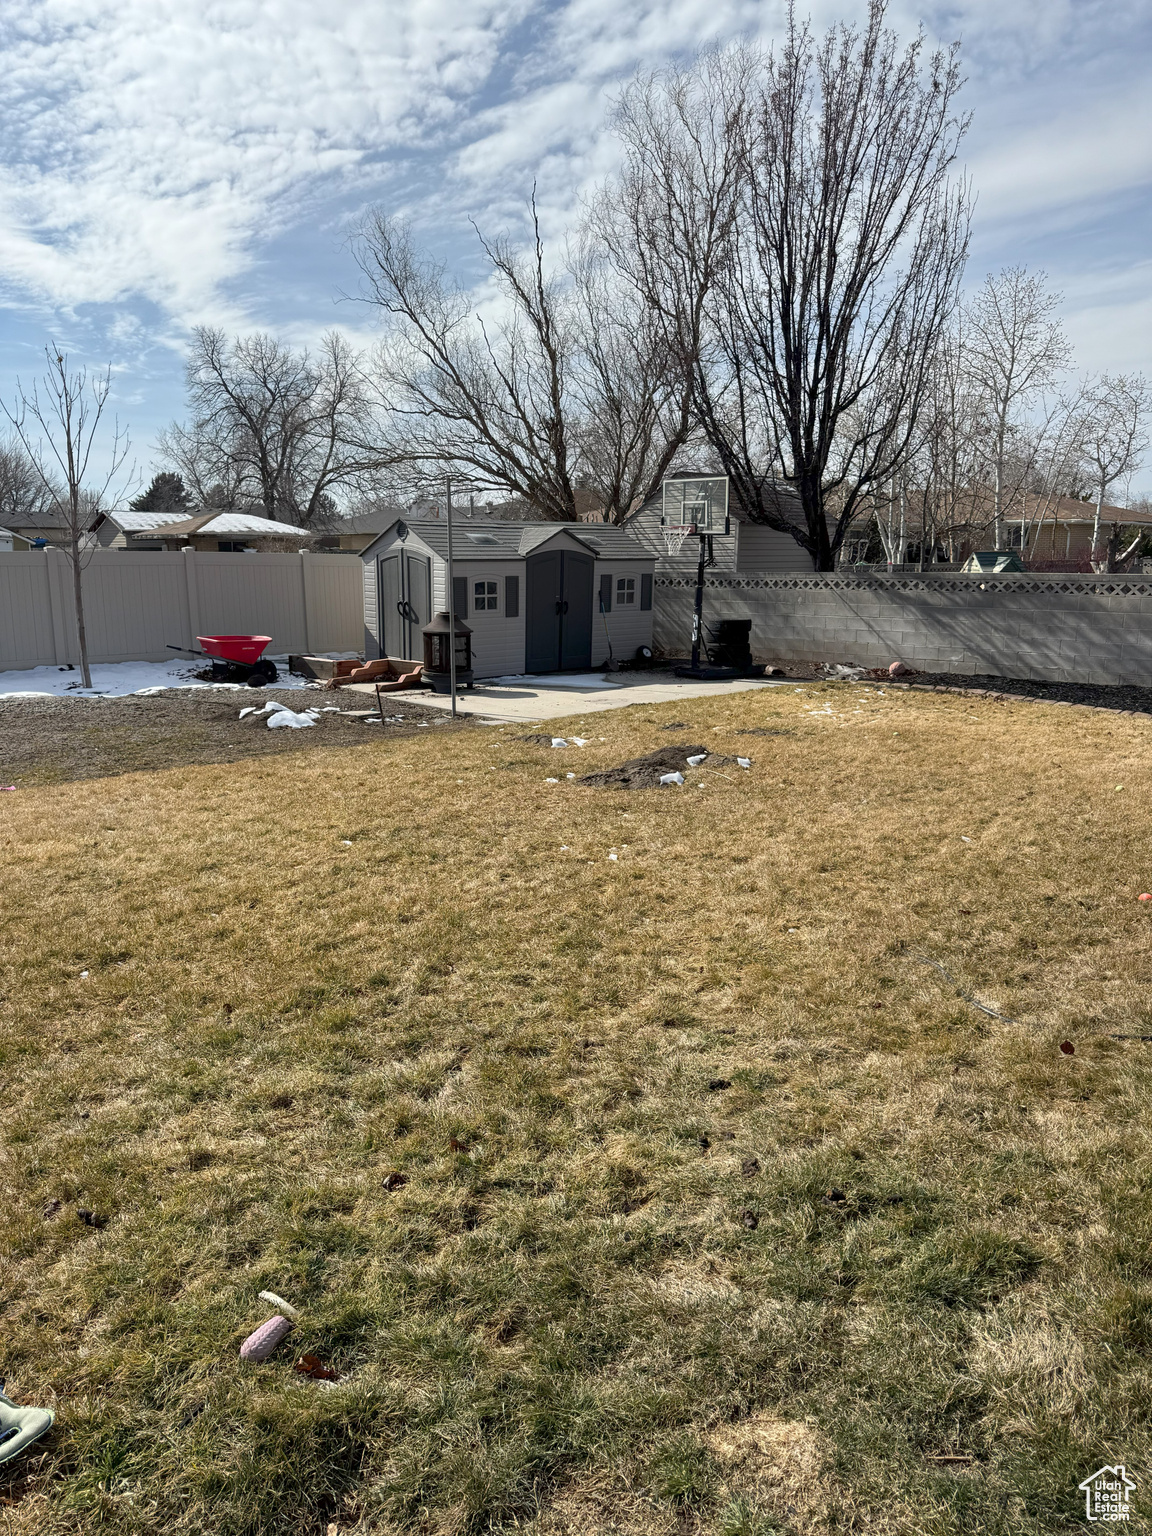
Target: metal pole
[451,605]
[696,616]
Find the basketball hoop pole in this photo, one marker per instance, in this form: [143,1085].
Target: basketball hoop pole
[699,608]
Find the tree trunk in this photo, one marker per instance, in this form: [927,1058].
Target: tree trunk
[81,631]
[1093,556]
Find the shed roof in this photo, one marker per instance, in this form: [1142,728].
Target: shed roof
[514,540]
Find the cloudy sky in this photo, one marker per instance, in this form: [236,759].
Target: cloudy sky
[173,162]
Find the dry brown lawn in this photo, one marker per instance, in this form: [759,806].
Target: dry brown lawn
[609,1297]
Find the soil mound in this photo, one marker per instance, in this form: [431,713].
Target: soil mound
[644,772]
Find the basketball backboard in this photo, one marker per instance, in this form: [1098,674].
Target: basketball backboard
[700,504]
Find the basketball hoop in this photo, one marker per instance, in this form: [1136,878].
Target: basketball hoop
[674,536]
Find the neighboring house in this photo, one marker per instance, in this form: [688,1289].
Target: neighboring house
[47,526]
[228,532]
[10,541]
[538,597]
[1059,531]
[357,532]
[1047,533]
[748,547]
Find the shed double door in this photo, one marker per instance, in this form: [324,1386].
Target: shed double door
[558,611]
[405,604]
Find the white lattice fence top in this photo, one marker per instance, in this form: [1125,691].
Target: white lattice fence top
[1070,586]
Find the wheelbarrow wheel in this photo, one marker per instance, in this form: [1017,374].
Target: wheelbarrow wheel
[262,674]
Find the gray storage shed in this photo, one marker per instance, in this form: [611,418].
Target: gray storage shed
[539,597]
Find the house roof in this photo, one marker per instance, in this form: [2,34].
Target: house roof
[377,521]
[514,540]
[1066,509]
[225,525]
[41,517]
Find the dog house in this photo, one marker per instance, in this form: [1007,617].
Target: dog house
[538,597]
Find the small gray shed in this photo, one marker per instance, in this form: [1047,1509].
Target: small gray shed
[539,597]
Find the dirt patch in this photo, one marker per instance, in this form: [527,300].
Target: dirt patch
[645,772]
[778,1466]
[53,741]
[1099,695]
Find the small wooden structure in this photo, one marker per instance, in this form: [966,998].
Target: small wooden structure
[538,597]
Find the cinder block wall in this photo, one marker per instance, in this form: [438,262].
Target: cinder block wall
[1084,629]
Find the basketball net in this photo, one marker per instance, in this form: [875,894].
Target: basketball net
[674,536]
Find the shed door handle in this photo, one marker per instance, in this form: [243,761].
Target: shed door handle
[406,611]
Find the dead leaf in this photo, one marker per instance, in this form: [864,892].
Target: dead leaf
[1067,1047]
[90,1219]
[750,1219]
[456,1145]
[50,1208]
[750,1167]
[313,1366]
[394,1180]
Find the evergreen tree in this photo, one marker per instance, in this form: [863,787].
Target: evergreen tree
[167,493]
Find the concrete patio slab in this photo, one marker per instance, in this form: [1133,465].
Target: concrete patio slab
[553,696]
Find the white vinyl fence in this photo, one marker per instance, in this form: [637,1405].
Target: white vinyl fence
[137,604]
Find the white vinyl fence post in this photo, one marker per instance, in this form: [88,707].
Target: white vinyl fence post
[192,593]
[307,586]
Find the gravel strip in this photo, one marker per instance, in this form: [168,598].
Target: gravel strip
[54,740]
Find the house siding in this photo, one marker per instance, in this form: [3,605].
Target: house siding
[766,549]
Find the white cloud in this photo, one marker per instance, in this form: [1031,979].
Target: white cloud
[177,161]
[154,144]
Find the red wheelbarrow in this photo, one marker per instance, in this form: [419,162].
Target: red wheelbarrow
[237,658]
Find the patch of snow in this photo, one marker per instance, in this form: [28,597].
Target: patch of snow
[671,778]
[115,680]
[287,717]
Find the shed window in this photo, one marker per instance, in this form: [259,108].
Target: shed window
[484,597]
[625,591]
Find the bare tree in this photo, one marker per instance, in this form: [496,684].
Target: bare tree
[1115,439]
[567,387]
[24,497]
[459,393]
[806,243]
[1015,350]
[630,398]
[669,219]
[57,425]
[272,427]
